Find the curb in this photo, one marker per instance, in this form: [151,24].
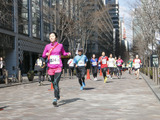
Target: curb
[155,88]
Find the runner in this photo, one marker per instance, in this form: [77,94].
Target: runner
[71,67]
[103,61]
[111,64]
[115,66]
[40,68]
[130,62]
[137,65]
[53,52]
[119,63]
[80,62]
[94,62]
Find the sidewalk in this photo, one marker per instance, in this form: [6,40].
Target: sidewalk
[118,99]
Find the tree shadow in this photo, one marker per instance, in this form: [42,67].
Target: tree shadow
[67,101]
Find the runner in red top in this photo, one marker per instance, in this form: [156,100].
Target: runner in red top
[103,61]
[137,64]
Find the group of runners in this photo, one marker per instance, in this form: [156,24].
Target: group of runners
[53,52]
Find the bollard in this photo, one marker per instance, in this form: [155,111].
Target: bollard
[19,76]
[6,77]
[67,72]
[63,73]
[148,73]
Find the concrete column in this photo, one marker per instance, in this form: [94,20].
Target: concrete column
[30,17]
[41,20]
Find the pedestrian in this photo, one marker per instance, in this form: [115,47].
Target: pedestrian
[94,63]
[103,61]
[71,67]
[137,64]
[53,53]
[2,66]
[111,64]
[119,63]
[80,62]
[40,67]
[130,63]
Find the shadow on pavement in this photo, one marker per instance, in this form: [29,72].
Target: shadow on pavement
[88,88]
[2,108]
[109,82]
[67,101]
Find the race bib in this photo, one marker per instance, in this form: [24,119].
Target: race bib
[39,62]
[54,59]
[119,63]
[137,65]
[104,61]
[129,65]
[94,63]
[81,63]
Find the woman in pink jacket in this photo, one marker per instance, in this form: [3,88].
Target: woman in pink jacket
[53,53]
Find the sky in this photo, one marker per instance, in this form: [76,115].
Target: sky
[125,11]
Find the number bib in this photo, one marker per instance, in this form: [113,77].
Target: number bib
[137,65]
[104,61]
[81,63]
[119,63]
[94,63]
[39,62]
[54,59]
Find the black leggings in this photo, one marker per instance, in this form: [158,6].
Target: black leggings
[81,80]
[104,70]
[94,71]
[55,81]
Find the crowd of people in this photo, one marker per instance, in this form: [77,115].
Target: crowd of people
[51,59]
[52,53]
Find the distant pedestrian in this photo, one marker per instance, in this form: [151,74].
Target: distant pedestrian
[80,62]
[40,68]
[94,63]
[71,67]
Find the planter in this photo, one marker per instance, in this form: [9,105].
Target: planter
[30,75]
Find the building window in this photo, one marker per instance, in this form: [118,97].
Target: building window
[36,18]
[23,16]
[6,14]
[46,19]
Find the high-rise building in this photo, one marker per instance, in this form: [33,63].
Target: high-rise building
[113,6]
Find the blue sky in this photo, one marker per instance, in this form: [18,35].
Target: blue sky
[125,11]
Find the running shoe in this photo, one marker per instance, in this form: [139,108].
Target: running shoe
[105,80]
[83,84]
[55,102]
[81,88]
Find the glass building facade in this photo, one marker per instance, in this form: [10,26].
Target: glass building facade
[24,30]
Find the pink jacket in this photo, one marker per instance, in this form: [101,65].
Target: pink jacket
[55,58]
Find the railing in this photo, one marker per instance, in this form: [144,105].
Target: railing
[153,73]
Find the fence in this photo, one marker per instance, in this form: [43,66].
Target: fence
[153,73]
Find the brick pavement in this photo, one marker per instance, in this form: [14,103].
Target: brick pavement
[119,99]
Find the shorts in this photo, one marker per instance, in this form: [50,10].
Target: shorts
[52,71]
[80,72]
[136,69]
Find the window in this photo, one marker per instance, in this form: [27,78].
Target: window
[36,18]
[23,16]
[6,14]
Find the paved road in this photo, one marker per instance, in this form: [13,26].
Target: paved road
[119,99]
